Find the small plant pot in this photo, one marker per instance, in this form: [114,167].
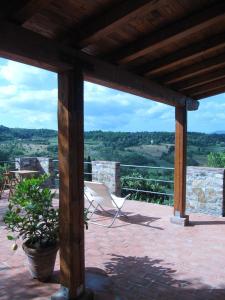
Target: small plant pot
[41,262]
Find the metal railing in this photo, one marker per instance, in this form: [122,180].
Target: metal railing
[147,183]
[151,184]
[9,163]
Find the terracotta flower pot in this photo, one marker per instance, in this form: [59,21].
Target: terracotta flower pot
[41,262]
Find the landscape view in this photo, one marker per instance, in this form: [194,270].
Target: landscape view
[135,148]
[151,149]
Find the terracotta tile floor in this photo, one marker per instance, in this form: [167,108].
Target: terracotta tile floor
[146,256]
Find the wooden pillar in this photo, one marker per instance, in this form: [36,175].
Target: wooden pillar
[71,196]
[180,167]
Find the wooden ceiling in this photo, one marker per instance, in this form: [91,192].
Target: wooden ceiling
[177,43]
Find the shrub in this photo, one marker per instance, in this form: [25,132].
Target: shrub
[140,183]
[31,215]
[216,160]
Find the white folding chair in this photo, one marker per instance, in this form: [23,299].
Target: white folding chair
[99,196]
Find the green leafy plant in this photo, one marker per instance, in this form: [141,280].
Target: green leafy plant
[137,182]
[216,160]
[31,215]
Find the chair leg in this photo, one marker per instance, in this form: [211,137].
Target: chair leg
[89,206]
[123,214]
[95,208]
[115,216]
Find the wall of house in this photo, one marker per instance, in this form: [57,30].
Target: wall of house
[205,190]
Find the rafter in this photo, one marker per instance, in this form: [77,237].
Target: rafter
[186,54]
[27,11]
[193,70]
[175,32]
[21,11]
[22,45]
[186,85]
[102,25]
[204,95]
[8,8]
[208,87]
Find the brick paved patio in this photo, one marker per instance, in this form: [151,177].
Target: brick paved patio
[145,255]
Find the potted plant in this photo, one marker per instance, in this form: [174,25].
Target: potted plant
[32,217]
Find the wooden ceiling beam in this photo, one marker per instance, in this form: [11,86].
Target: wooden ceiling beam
[186,54]
[208,87]
[8,8]
[193,70]
[28,47]
[102,25]
[170,34]
[21,11]
[186,85]
[27,11]
[216,92]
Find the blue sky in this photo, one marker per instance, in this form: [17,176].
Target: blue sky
[28,99]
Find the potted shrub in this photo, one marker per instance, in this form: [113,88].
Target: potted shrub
[32,217]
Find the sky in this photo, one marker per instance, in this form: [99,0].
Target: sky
[28,99]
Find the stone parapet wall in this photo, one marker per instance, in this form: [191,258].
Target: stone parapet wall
[205,190]
[107,172]
[43,165]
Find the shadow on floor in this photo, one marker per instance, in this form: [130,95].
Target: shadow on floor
[16,285]
[130,218]
[145,279]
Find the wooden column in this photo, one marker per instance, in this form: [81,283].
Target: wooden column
[71,196]
[180,167]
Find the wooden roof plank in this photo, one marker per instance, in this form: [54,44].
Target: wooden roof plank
[186,85]
[193,70]
[27,11]
[207,87]
[102,25]
[216,92]
[22,45]
[8,8]
[186,54]
[181,29]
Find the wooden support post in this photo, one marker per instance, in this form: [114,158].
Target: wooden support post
[180,167]
[71,196]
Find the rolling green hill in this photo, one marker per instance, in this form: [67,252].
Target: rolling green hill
[140,148]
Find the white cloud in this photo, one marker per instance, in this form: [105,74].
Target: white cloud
[18,73]
[28,96]
[7,90]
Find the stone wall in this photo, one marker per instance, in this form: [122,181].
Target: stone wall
[107,172]
[205,190]
[43,165]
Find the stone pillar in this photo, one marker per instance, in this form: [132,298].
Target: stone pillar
[26,163]
[107,172]
[205,190]
[44,165]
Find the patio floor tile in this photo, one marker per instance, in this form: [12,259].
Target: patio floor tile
[145,255]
